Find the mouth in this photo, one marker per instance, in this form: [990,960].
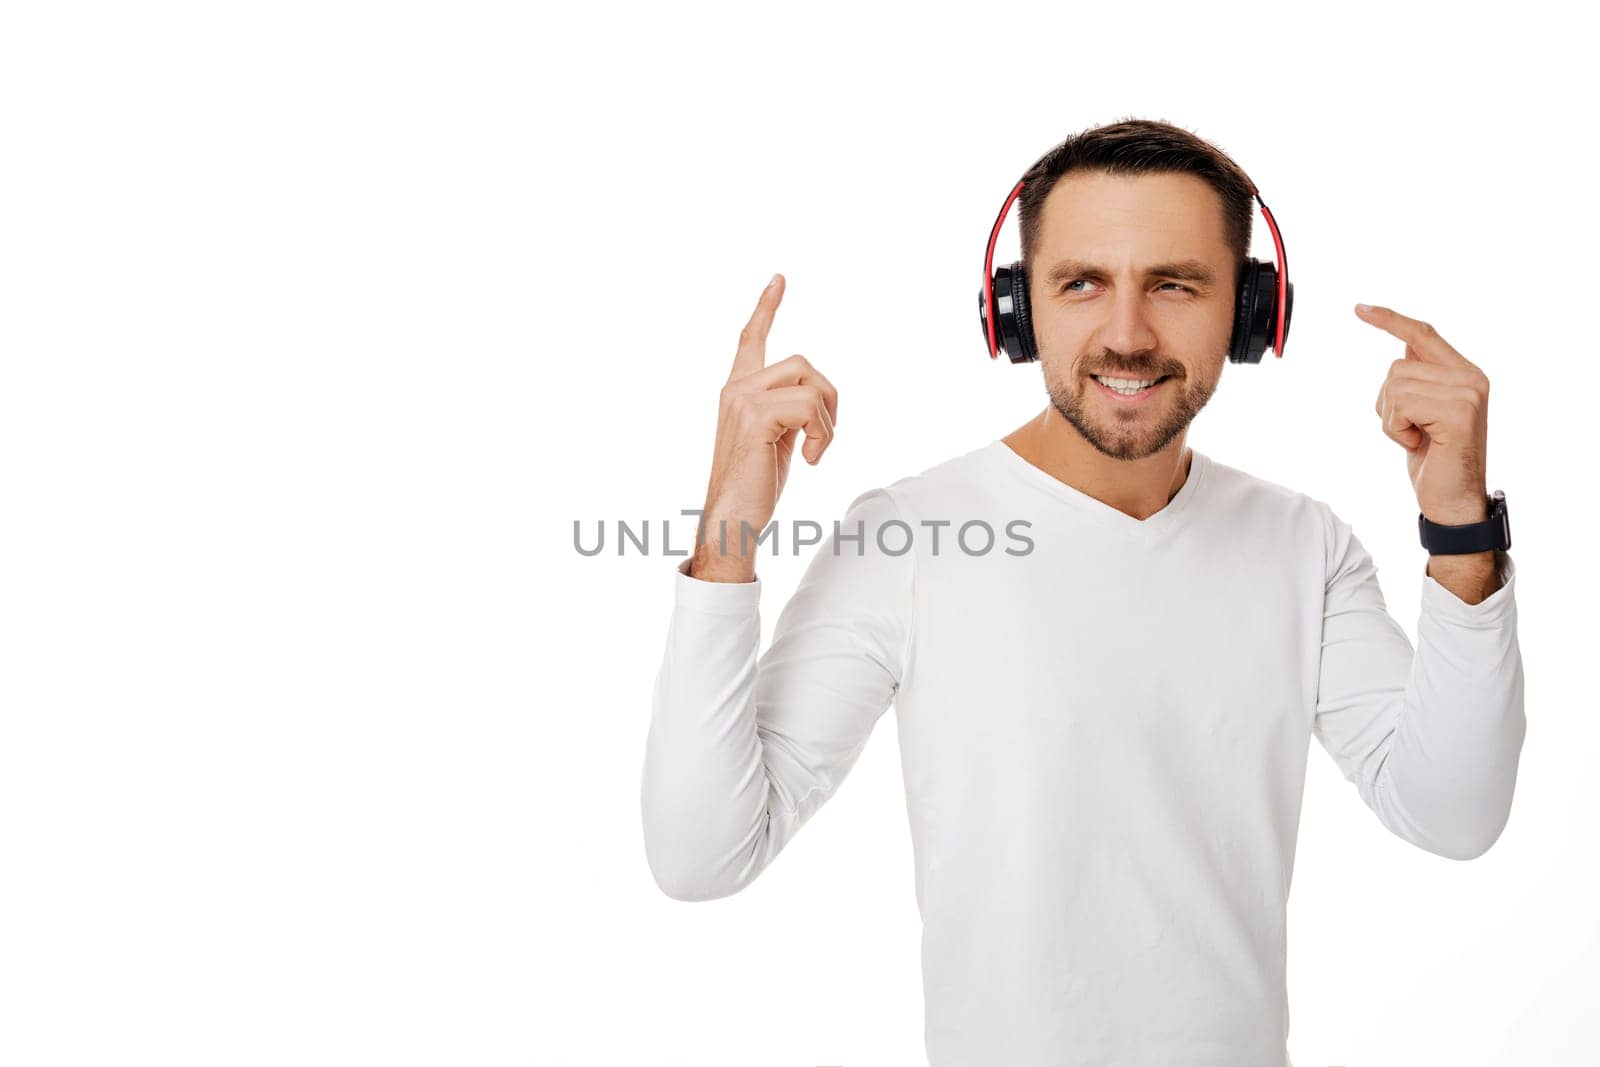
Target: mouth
[1128,390]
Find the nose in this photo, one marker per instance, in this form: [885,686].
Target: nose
[1127,327]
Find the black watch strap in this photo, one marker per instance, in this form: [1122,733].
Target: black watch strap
[1493,533]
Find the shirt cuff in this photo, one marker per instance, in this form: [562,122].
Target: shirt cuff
[718,598]
[1489,611]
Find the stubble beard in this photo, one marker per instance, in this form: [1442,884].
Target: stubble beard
[1139,431]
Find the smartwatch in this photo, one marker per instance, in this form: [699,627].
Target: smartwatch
[1492,533]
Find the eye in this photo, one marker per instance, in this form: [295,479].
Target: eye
[1068,288]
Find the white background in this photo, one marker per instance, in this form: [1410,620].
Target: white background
[322,323]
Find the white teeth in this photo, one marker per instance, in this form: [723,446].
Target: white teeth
[1125,386]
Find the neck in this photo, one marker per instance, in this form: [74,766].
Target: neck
[1136,487]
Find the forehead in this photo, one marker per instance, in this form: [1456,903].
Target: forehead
[1124,218]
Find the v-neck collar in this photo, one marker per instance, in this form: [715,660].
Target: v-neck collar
[1165,519]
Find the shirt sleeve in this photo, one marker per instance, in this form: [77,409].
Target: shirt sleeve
[1430,738]
[742,752]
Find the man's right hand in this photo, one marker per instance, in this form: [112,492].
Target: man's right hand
[762,412]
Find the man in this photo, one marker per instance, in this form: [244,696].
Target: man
[1104,734]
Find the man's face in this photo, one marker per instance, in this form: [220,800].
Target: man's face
[1107,300]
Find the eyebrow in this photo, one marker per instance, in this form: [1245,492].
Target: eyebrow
[1189,270]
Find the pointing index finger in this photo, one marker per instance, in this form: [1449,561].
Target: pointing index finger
[752,354]
[1422,340]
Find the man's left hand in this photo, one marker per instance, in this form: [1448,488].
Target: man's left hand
[1435,404]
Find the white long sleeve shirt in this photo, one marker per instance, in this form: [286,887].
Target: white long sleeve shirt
[1104,735]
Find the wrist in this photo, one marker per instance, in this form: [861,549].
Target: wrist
[1463,514]
[710,564]
[1472,576]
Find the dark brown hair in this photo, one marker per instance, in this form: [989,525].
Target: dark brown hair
[1140,146]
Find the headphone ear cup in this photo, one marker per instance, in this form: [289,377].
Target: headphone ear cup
[1252,312]
[1028,351]
[1013,325]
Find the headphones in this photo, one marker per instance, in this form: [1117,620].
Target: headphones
[1262,308]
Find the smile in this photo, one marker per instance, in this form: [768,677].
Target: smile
[1126,389]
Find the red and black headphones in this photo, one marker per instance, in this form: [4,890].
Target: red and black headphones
[1264,302]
